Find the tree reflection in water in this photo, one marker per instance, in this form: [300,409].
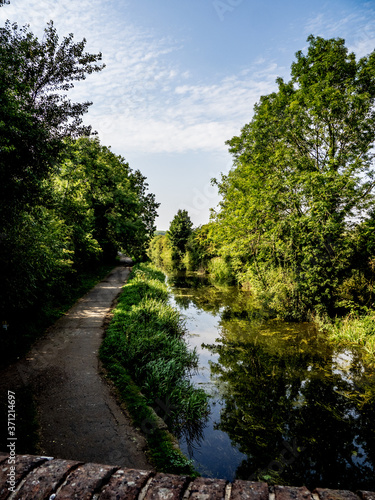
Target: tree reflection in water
[299,408]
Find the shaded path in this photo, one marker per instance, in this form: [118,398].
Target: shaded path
[79,417]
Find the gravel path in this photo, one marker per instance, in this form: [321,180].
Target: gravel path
[78,414]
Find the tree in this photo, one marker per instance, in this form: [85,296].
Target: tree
[179,232]
[147,213]
[35,118]
[303,170]
[105,202]
[35,113]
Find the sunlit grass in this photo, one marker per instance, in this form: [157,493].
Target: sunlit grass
[355,330]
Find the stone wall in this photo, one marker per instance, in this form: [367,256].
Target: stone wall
[29,477]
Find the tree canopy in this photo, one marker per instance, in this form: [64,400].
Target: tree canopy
[99,189]
[35,112]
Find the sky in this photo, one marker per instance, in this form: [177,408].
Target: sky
[182,76]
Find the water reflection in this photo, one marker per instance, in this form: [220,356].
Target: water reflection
[288,406]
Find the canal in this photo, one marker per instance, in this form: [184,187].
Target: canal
[287,406]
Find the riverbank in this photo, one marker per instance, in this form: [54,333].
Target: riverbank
[354,330]
[144,352]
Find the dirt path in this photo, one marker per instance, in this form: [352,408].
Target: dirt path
[78,415]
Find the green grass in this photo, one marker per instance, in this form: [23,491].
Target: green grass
[355,330]
[162,451]
[144,343]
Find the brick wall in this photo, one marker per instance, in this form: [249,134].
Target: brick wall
[29,477]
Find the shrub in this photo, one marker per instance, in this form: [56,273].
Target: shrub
[220,270]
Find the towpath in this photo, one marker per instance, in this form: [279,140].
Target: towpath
[78,415]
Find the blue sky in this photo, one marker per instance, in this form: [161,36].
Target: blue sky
[182,76]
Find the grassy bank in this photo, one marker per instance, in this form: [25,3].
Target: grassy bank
[144,352]
[355,330]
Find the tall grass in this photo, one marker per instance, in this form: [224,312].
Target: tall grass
[274,288]
[355,330]
[145,338]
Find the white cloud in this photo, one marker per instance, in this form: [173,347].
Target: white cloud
[357,28]
[143,99]
[192,117]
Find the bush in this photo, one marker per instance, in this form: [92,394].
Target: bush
[188,261]
[355,291]
[220,270]
[275,288]
[160,253]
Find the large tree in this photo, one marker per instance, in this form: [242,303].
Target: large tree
[303,169]
[35,112]
[105,201]
[179,232]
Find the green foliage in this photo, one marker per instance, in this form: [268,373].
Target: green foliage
[274,288]
[105,201]
[199,250]
[66,204]
[355,292]
[160,253]
[302,170]
[220,270]
[179,232]
[35,113]
[35,117]
[35,251]
[168,458]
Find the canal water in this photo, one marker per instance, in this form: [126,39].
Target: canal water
[287,406]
